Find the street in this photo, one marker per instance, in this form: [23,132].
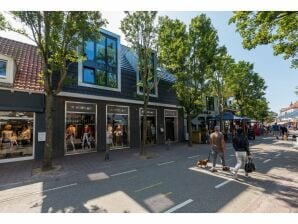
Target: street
[168,183]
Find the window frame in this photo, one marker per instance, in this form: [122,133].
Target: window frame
[6,68]
[208,108]
[81,65]
[139,92]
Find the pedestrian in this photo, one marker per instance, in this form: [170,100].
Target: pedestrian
[217,143]
[275,130]
[241,146]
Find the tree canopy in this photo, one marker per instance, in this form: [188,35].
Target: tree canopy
[277,28]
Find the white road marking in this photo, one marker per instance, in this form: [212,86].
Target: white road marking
[151,186]
[117,174]
[277,155]
[190,157]
[232,155]
[38,192]
[179,206]
[267,160]
[161,164]
[56,188]
[222,184]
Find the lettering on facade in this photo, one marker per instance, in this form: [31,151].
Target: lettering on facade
[117,110]
[150,112]
[81,107]
[171,113]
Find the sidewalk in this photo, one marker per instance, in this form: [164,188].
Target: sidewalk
[77,165]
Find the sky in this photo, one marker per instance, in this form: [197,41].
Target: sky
[280,79]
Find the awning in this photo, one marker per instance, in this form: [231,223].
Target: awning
[228,116]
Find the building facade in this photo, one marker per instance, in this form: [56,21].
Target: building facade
[101,99]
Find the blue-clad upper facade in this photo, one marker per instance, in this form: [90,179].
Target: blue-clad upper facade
[110,70]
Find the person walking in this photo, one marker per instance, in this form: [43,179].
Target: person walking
[217,143]
[241,146]
[275,130]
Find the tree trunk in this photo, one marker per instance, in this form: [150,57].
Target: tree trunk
[189,128]
[48,149]
[144,131]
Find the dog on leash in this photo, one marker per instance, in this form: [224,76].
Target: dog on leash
[202,163]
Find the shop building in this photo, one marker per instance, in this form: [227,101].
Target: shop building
[102,99]
[21,102]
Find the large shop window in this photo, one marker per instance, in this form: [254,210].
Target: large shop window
[80,127]
[101,66]
[16,139]
[117,132]
[171,125]
[151,125]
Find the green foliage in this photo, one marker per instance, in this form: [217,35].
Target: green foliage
[248,89]
[189,56]
[277,28]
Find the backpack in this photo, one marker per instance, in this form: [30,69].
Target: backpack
[249,166]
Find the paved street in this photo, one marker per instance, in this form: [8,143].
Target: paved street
[168,182]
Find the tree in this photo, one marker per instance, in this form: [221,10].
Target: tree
[140,31]
[57,36]
[277,28]
[223,67]
[188,56]
[248,89]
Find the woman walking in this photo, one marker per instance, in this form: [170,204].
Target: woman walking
[241,146]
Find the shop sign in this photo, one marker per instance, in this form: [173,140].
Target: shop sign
[81,107]
[117,110]
[41,136]
[171,113]
[150,112]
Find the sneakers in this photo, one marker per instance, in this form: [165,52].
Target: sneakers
[234,174]
[213,169]
[246,174]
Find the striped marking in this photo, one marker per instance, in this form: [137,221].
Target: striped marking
[222,184]
[167,194]
[179,206]
[267,160]
[151,186]
[190,157]
[39,192]
[277,155]
[125,172]
[161,164]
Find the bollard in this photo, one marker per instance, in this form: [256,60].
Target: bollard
[168,144]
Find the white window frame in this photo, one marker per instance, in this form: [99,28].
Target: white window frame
[140,122]
[81,67]
[33,144]
[128,114]
[10,70]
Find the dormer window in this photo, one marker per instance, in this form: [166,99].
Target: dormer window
[101,69]
[153,81]
[3,69]
[7,70]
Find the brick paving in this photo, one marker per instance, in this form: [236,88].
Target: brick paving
[15,173]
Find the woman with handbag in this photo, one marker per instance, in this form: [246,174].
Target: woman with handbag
[241,146]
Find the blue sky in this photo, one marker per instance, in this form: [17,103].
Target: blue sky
[279,77]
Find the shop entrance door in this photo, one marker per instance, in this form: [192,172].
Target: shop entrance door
[170,128]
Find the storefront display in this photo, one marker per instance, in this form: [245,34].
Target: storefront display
[171,125]
[151,125]
[80,127]
[16,134]
[118,126]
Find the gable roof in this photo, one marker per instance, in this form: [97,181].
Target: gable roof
[28,64]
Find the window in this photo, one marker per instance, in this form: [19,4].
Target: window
[151,82]
[210,103]
[3,65]
[80,127]
[101,68]
[16,134]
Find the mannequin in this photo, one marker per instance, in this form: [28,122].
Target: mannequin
[85,136]
[70,134]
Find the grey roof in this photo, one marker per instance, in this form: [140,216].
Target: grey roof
[127,65]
